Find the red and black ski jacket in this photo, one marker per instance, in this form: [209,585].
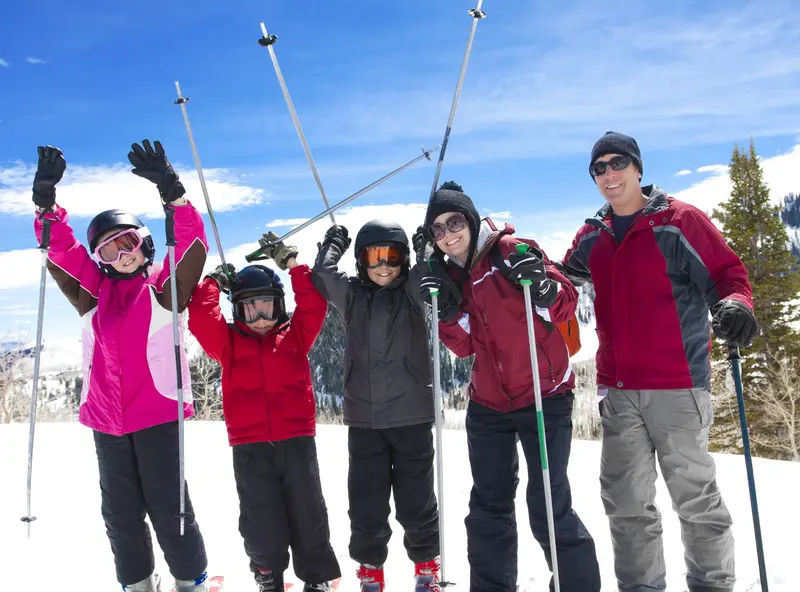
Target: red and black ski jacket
[266,380]
[493,326]
[653,290]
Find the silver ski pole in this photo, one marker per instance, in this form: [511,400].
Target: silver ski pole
[537,390]
[425,154]
[181,101]
[44,246]
[476,14]
[268,41]
[437,397]
[173,289]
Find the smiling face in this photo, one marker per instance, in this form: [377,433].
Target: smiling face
[621,188]
[128,262]
[454,243]
[383,275]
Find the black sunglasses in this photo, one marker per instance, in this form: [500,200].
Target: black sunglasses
[617,163]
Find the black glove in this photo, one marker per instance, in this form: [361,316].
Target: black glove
[734,322]
[49,172]
[152,164]
[277,251]
[420,243]
[528,266]
[449,298]
[223,280]
[337,236]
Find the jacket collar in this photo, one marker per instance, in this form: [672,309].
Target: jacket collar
[657,201]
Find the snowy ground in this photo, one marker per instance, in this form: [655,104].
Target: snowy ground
[68,549]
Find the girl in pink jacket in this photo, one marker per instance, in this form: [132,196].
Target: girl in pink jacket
[129,396]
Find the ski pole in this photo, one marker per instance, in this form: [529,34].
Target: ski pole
[735,359]
[268,41]
[476,14]
[437,396]
[44,246]
[256,255]
[181,101]
[537,390]
[170,232]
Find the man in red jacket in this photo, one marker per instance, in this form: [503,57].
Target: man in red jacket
[482,313]
[269,408]
[658,265]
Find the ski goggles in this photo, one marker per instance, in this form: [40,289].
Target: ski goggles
[617,163]
[372,256]
[126,242]
[455,223]
[250,310]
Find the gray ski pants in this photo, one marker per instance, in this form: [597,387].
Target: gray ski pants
[673,425]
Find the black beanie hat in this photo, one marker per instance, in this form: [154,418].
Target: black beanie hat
[616,143]
[450,197]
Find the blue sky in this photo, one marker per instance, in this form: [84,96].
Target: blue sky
[372,82]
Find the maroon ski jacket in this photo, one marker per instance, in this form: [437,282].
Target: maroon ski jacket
[492,325]
[653,291]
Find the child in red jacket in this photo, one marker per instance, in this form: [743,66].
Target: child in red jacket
[269,408]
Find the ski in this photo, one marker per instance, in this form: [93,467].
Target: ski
[215,584]
[334,584]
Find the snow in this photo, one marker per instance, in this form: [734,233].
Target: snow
[68,547]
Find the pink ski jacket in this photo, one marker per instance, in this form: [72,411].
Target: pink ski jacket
[129,378]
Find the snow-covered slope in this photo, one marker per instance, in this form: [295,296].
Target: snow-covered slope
[68,549]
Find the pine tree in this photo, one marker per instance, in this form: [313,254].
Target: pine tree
[754,230]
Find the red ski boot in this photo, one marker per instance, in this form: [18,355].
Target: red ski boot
[371,578]
[427,576]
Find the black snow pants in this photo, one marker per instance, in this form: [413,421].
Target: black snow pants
[281,506]
[491,522]
[385,460]
[139,476]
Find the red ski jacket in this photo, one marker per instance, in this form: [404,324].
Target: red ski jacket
[266,381]
[492,325]
[653,291]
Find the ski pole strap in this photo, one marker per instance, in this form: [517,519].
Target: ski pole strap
[170,226]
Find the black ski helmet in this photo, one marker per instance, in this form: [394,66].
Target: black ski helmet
[258,280]
[113,219]
[376,232]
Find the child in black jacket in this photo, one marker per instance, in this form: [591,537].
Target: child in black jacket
[388,399]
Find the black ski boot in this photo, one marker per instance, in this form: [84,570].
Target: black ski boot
[323,587]
[269,582]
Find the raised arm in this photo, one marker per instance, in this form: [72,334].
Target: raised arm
[334,285]
[206,321]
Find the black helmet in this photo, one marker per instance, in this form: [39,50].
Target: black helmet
[111,219]
[254,281]
[377,232]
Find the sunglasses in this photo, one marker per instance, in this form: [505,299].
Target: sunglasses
[617,163]
[114,247]
[454,223]
[372,256]
[250,310]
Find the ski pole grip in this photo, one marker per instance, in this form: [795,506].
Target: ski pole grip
[45,243]
[522,248]
[170,226]
[254,256]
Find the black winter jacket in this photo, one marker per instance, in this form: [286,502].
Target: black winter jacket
[387,380]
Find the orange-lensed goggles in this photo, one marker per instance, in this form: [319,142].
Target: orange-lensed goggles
[374,255]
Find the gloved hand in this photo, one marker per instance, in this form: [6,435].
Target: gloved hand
[48,173]
[337,235]
[223,280]
[449,298]
[420,243]
[277,251]
[734,322]
[152,164]
[528,266]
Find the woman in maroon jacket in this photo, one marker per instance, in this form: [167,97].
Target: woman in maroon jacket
[269,408]
[481,312]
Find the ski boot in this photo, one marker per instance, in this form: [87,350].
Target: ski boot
[371,578]
[427,576]
[151,584]
[269,581]
[323,587]
[198,585]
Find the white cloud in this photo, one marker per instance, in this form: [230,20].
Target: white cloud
[683,173]
[33,60]
[87,190]
[287,223]
[3,63]
[500,215]
[713,168]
